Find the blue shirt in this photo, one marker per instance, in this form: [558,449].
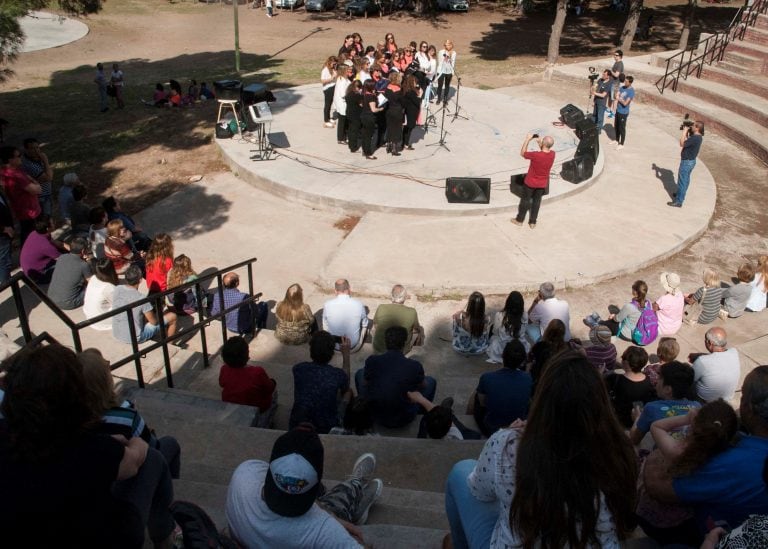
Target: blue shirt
[730,486]
[389,377]
[315,395]
[507,396]
[628,93]
[691,147]
[659,409]
[239,320]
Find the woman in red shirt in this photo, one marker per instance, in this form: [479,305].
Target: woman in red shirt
[159,262]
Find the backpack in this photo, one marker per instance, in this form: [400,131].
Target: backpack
[647,327]
[198,528]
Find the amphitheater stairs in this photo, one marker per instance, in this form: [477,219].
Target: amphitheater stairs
[731,97]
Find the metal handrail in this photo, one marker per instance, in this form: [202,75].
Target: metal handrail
[157,301]
[714,48]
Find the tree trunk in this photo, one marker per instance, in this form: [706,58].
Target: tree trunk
[630,26]
[553,52]
[687,23]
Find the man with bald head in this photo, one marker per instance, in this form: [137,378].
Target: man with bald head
[537,178]
[716,375]
[246,319]
[396,313]
[345,316]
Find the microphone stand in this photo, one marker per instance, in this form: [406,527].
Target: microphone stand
[458,90]
[429,118]
[443,133]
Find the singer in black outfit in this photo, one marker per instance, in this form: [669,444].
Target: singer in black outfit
[412,103]
[368,118]
[394,115]
[354,111]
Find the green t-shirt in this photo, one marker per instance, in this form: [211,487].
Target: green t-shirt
[393,314]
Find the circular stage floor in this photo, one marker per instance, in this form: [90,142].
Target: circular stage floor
[309,165]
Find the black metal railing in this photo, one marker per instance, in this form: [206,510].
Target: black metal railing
[711,49]
[157,300]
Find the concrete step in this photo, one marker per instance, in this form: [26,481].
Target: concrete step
[749,48]
[757,36]
[734,68]
[762,21]
[756,84]
[749,62]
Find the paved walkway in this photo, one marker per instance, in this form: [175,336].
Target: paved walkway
[45,30]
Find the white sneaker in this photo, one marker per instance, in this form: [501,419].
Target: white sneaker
[364,467]
[328,125]
[619,147]
[371,493]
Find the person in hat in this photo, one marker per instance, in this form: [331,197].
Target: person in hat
[278,504]
[669,307]
[602,353]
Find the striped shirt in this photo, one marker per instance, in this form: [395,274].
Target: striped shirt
[710,304]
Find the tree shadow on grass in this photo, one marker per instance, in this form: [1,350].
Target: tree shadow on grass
[139,154]
[593,34]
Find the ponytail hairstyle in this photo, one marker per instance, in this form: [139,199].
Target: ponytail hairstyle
[712,432]
[640,289]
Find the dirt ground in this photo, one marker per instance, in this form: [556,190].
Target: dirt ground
[141,154]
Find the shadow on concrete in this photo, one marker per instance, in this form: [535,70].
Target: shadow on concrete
[667,178]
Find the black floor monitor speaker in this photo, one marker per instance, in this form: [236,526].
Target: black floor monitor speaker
[577,170]
[586,128]
[589,146]
[468,190]
[571,114]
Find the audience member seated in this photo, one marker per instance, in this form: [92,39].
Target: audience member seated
[358,419]
[439,421]
[545,308]
[758,296]
[183,302]
[565,478]
[735,297]
[242,383]
[674,390]
[295,321]
[71,274]
[117,248]
[631,387]
[159,97]
[99,292]
[666,351]
[623,322]
[121,417]
[66,198]
[80,211]
[97,230]
[601,353]
[669,307]
[205,92]
[717,373]
[508,325]
[386,379]
[246,319]
[64,482]
[397,314]
[20,190]
[552,342]
[139,238]
[708,298]
[504,395]
[703,466]
[471,327]
[144,317]
[345,316]
[40,252]
[320,391]
[279,504]
[159,260]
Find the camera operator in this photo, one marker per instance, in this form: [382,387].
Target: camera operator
[602,94]
[690,141]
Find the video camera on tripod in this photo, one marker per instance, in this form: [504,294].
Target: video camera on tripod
[593,75]
[687,122]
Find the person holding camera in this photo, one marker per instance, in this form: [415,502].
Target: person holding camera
[537,178]
[690,140]
[601,92]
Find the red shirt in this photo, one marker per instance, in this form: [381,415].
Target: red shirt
[24,204]
[538,171]
[157,274]
[249,385]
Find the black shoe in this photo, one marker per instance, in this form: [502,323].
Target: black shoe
[447,403]
[674,204]
[395,154]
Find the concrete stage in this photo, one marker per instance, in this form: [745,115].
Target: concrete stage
[311,167]
[408,233]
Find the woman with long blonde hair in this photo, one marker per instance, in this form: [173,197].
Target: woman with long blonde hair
[181,273]
[159,261]
[759,296]
[328,81]
[708,297]
[295,321]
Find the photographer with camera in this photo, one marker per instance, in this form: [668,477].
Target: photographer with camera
[601,91]
[537,179]
[690,141]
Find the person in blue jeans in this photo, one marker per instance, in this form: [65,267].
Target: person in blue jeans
[602,94]
[690,141]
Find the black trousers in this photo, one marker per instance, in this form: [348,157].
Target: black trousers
[341,128]
[368,123]
[443,80]
[620,124]
[353,134]
[328,96]
[531,199]
[394,129]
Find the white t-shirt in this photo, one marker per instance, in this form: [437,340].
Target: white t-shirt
[548,310]
[716,375]
[98,300]
[343,316]
[255,526]
[96,239]
[326,74]
[757,301]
